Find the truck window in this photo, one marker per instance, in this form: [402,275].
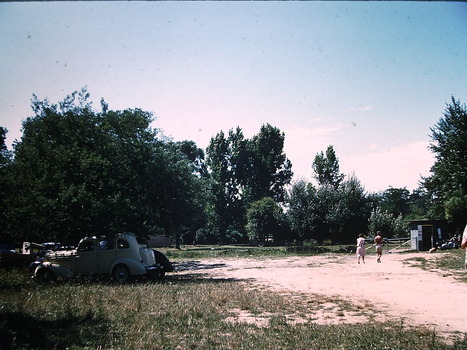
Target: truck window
[106,245]
[122,244]
[86,247]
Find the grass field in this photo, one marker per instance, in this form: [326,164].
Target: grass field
[201,251]
[184,313]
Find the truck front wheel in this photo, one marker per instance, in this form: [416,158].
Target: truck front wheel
[45,276]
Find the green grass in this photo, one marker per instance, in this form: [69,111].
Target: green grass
[185,312]
[447,262]
[201,252]
[225,251]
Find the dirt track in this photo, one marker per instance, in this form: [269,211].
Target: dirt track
[390,290]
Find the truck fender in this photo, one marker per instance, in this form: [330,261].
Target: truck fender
[162,259]
[58,271]
[136,268]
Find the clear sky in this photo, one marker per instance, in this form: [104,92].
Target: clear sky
[369,78]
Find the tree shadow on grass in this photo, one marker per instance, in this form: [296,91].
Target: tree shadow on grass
[19,330]
[195,265]
[197,272]
[199,278]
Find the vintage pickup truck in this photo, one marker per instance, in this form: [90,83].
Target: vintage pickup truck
[122,257]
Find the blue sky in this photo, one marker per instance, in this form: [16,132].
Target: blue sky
[369,78]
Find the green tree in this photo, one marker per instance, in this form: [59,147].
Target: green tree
[342,206]
[264,220]
[384,221]
[225,211]
[327,213]
[419,203]
[80,172]
[199,187]
[270,170]
[395,201]
[455,209]
[343,211]
[194,155]
[301,213]
[244,171]
[380,220]
[5,159]
[448,177]
[5,154]
[348,215]
[326,168]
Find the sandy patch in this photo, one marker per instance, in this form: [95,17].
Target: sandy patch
[391,290]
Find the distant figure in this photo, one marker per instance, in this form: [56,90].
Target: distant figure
[361,248]
[379,245]
[464,245]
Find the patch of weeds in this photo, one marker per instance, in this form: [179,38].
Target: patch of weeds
[15,280]
[447,262]
[418,261]
[307,250]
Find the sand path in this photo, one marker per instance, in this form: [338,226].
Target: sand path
[401,291]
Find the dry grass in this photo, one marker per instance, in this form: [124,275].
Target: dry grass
[188,313]
[445,262]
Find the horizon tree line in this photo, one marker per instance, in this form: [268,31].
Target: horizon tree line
[78,171]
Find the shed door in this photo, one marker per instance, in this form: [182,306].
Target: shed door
[427,235]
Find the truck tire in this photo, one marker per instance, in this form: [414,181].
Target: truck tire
[121,274]
[44,275]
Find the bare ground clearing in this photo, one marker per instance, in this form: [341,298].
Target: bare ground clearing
[339,290]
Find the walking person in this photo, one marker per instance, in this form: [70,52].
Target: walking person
[379,245]
[361,252]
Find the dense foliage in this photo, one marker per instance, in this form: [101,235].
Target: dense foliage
[326,168]
[447,185]
[337,209]
[78,171]
[244,171]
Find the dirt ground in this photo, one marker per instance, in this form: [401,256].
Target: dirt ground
[390,290]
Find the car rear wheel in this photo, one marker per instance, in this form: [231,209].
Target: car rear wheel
[121,274]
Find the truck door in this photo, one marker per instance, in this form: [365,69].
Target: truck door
[106,255]
[86,260]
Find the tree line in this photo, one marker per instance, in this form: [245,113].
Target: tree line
[78,171]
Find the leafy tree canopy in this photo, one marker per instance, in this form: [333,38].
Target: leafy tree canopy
[5,155]
[326,168]
[77,172]
[449,172]
[263,218]
[244,171]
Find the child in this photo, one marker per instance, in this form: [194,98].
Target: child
[361,248]
[379,245]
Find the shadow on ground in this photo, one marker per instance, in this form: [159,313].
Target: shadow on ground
[195,265]
[20,330]
[195,271]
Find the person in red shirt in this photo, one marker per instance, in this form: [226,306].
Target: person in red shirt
[379,245]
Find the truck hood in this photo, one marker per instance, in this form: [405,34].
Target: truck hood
[61,254]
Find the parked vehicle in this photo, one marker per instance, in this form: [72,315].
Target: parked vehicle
[11,258]
[122,257]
